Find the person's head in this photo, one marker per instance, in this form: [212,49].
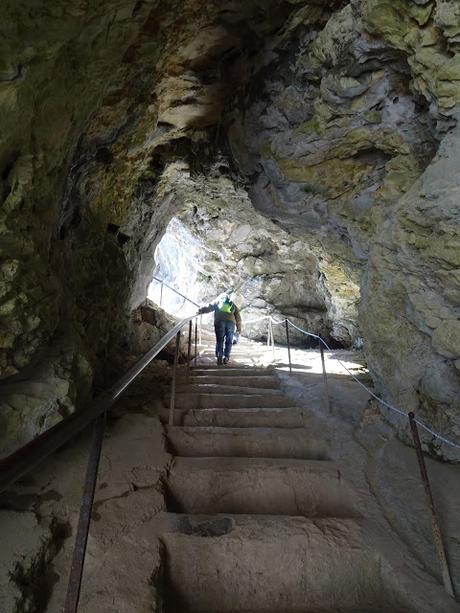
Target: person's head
[225,304]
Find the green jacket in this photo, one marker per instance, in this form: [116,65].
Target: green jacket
[219,315]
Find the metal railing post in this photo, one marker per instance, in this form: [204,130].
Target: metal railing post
[439,545]
[327,398]
[84,521]
[272,338]
[161,294]
[200,330]
[268,333]
[172,403]
[288,344]
[189,348]
[196,342]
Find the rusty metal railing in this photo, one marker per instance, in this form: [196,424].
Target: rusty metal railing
[78,559]
[81,538]
[435,526]
[30,455]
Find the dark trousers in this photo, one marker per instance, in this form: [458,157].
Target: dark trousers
[224,332]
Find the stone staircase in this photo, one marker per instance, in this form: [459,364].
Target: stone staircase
[259,519]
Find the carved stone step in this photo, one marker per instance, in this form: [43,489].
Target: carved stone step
[282,417]
[259,485]
[270,564]
[270,398]
[245,442]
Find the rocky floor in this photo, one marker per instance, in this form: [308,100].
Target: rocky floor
[255,500]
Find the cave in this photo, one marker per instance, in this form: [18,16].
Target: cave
[300,155]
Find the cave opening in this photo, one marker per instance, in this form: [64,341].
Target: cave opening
[178,259]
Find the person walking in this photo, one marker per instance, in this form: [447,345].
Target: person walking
[226,318]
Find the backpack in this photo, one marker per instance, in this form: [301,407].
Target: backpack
[226,306]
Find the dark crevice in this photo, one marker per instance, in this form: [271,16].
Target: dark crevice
[173,600]
[15,76]
[219,526]
[158,582]
[5,183]
[36,581]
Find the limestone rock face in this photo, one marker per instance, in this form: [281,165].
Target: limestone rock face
[269,270]
[410,310]
[337,137]
[56,65]
[42,395]
[337,148]
[148,325]
[294,138]
[62,277]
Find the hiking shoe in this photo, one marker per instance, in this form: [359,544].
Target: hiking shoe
[225,360]
[219,361]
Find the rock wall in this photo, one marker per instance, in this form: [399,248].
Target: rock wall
[57,64]
[338,141]
[410,311]
[59,289]
[337,131]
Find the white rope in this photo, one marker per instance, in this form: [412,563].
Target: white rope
[305,332]
[435,434]
[383,402]
[386,404]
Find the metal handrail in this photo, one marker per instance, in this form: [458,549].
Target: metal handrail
[27,457]
[136,370]
[174,290]
[81,538]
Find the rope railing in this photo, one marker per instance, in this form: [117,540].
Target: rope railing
[387,405]
[413,423]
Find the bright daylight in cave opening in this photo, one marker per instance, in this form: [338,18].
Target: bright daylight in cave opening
[178,259]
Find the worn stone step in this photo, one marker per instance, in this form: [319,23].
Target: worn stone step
[221,388]
[285,417]
[239,381]
[245,442]
[259,485]
[233,371]
[239,564]
[209,401]
[246,351]
[376,609]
